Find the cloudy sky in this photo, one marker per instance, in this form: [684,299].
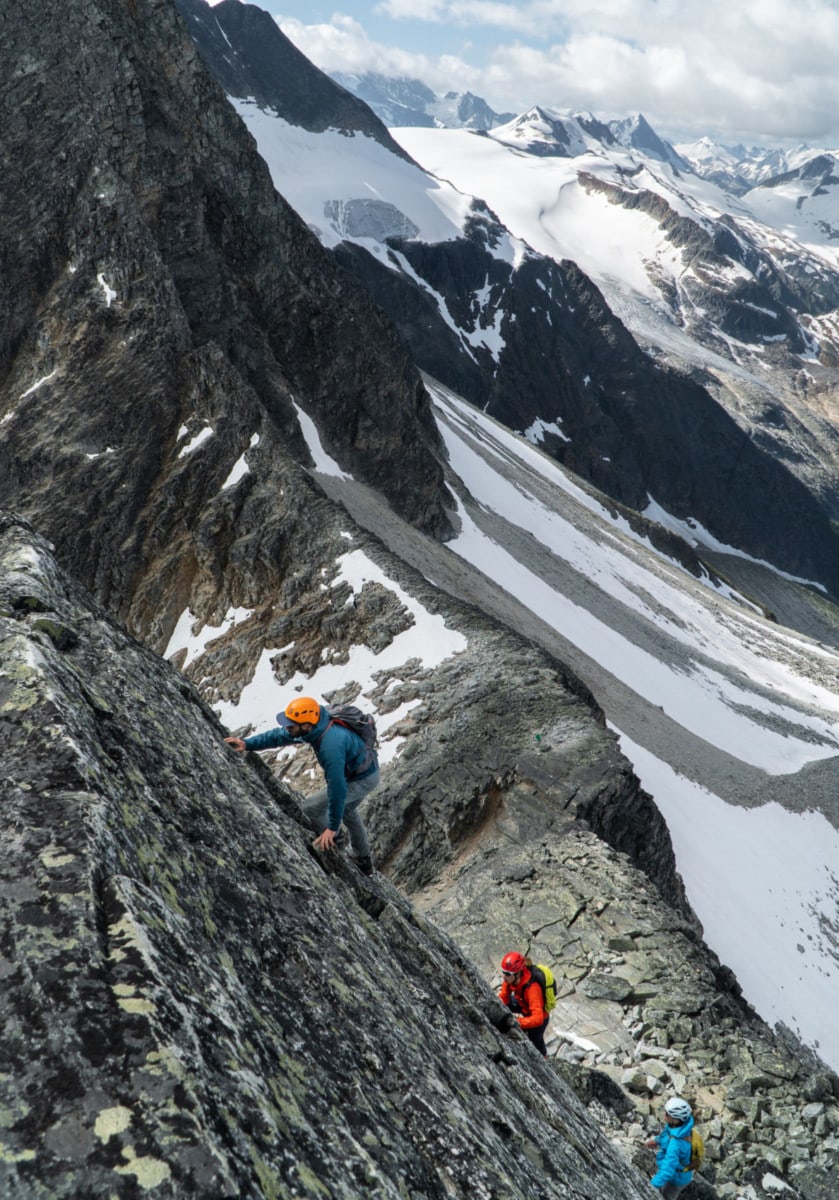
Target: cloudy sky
[754,70]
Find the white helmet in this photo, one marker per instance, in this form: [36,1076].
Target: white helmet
[678,1108]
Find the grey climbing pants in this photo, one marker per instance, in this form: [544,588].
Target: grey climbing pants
[315,807]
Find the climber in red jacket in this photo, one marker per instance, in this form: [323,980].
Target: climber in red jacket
[524,996]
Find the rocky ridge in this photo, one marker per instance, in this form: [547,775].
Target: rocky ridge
[499,848]
[513,820]
[194,1002]
[249,56]
[644,1011]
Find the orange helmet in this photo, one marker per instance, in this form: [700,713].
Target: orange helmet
[512,963]
[304,710]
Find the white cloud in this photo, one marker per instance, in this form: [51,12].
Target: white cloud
[752,69]
[344,46]
[418,10]
[517,18]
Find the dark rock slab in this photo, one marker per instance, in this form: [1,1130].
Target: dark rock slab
[194,1003]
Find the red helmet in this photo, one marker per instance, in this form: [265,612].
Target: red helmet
[512,963]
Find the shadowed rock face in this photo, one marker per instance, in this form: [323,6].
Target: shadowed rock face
[632,428]
[193,1002]
[156,290]
[535,761]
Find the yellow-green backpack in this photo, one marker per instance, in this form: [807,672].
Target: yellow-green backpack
[544,976]
[697,1149]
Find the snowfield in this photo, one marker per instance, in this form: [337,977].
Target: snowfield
[730,720]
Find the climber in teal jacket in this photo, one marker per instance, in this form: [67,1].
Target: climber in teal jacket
[350,770]
[673,1156]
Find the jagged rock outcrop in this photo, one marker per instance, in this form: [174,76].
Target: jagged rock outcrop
[163,310]
[509,816]
[169,936]
[644,1011]
[540,761]
[194,1003]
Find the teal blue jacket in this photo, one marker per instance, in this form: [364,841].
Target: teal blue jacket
[673,1155]
[340,752]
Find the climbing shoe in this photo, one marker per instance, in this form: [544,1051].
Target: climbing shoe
[365,865]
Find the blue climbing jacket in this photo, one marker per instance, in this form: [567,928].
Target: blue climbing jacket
[339,751]
[673,1155]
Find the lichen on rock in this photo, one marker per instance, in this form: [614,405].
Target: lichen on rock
[196,1004]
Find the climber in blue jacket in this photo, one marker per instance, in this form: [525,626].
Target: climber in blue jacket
[674,1151]
[350,770]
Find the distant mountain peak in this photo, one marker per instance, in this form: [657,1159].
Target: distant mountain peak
[400,101]
[636,133]
[738,169]
[817,167]
[565,134]
[557,133]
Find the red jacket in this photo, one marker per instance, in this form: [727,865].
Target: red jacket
[527,994]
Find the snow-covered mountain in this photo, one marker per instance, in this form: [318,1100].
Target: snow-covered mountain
[666,236]
[740,291]
[553,133]
[738,168]
[804,198]
[400,101]
[487,310]
[636,133]
[483,282]
[227,440]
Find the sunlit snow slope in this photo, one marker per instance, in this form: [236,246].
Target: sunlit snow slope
[564,207]
[714,704]
[350,187]
[757,877]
